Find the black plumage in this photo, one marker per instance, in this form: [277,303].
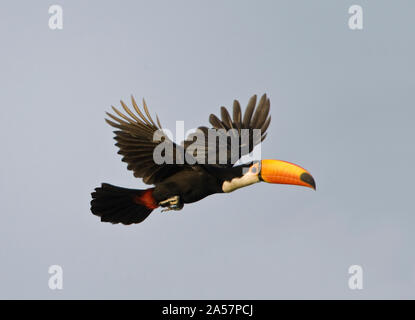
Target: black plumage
[191,180]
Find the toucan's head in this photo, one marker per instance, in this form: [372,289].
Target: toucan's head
[271,171]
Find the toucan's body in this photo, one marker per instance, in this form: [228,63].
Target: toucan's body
[188,179]
[190,185]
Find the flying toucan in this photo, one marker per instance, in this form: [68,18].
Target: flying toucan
[188,178]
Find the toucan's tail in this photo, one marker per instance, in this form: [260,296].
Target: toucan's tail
[121,205]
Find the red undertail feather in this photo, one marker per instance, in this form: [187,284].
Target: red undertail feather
[146,199]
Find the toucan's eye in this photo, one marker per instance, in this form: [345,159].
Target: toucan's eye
[254,170]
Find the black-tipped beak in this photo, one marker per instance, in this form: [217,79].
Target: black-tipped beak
[282,172]
[307,178]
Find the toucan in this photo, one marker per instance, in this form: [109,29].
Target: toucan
[188,178]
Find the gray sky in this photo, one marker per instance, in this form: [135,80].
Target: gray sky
[342,106]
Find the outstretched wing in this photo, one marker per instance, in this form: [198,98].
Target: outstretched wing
[136,143]
[256,116]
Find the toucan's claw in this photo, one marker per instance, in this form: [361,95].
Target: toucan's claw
[172,203]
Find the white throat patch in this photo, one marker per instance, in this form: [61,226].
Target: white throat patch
[236,183]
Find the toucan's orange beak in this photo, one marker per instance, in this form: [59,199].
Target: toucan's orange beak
[282,172]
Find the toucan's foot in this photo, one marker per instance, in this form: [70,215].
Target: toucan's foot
[172,203]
